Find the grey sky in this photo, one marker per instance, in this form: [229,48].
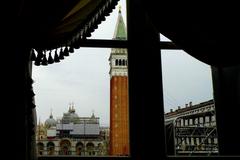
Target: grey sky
[185,79]
[83,78]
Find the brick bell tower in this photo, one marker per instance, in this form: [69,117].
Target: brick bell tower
[119,124]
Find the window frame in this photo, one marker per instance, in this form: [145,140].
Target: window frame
[134,26]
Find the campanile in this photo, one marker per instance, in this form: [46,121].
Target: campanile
[119,124]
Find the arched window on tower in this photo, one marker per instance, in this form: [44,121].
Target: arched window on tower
[116,62]
[120,62]
[123,61]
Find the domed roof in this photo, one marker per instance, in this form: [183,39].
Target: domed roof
[70,116]
[72,113]
[50,122]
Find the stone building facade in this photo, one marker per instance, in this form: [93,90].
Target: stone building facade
[72,135]
[191,130]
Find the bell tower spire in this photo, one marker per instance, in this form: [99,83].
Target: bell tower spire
[120,32]
[119,131]
[118,57]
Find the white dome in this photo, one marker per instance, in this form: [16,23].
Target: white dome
[50,122]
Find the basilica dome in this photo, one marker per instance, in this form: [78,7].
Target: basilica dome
[50,122]
[70,116]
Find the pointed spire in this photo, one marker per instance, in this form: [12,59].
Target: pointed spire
[73,110]
[120,29]
[69,109]
[51,116]
[119,9]
[93,116]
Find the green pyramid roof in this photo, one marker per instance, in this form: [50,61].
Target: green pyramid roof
[120,29]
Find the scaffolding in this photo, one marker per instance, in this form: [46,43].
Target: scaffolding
[192,130]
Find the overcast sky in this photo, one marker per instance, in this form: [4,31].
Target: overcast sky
[83,78]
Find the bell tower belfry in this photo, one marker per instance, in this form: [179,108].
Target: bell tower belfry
[119,123]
